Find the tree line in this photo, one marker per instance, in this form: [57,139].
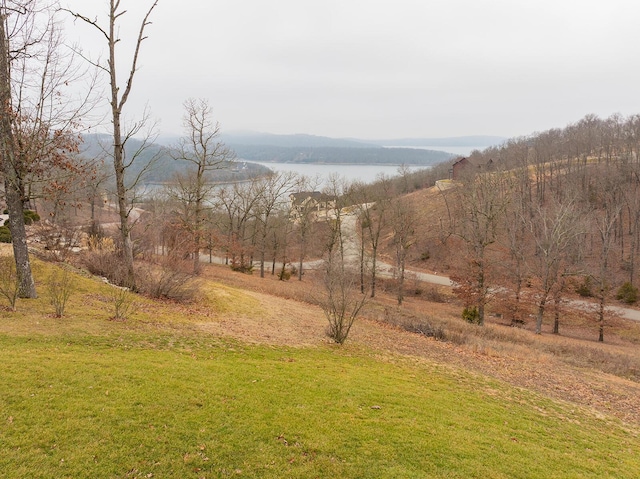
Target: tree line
[556,211]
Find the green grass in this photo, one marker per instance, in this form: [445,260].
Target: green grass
[137,405]
[83,397]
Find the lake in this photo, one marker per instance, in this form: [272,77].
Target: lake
[364,173]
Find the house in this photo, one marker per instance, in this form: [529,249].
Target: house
[307,202]
[469,166]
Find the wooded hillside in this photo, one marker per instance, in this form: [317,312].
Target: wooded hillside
[547,216]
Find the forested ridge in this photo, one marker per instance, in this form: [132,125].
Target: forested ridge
[540,218]
[338,155]
[528,225]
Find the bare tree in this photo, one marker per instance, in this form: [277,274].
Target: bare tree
[342,299]
[403,226]
[273,197]
[302,216]
[37,115]
[118,99]
[482,202]
[238,202]
[204,151]
[515,242]
[554,228]
[606,204]
[373,202]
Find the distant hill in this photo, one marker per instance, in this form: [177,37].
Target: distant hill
[291,141]
[335,155]
[312,141]
[299,148]
[164,166]
[267,147]
[478,141]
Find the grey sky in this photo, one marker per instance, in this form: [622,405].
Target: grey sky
[384,69]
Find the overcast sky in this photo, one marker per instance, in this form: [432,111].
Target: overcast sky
[382,69]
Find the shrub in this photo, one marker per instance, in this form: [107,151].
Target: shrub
[5,234]
[95,230]
[426,329]
[627,293]
[122,303]
[101,243]
[584,288]
[60,240]
[414,324]
[470,315]
[284,274]
[9,281]
[433,294]
[105,263]
[30,217]
[242,267]
[167,280]
[341,301]
[61,285]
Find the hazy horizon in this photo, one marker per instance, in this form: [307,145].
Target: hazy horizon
[375,70]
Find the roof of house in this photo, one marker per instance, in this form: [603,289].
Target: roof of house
[317,196]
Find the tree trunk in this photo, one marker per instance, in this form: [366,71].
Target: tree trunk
[197,237]
[361,258]
[401,282]
[118,165]
[123,212]
[303,248]
[540,315]
[601,316]
[556,321]
[12,181]
[263,252]
[374,254]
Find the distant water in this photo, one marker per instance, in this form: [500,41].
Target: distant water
[364,173]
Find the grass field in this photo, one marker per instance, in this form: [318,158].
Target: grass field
[154,396]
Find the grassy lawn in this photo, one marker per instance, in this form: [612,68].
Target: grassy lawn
[128,407]
[86,397]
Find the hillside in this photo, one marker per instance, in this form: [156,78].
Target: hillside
[232,373]
[162,165]
[477,141]
[244,382]
[335,155]
[259,148]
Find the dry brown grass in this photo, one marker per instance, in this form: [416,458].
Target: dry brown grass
[571,366]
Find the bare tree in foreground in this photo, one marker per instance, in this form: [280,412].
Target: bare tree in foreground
[37,115]
[342,300]
[119,97]
[341,297]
